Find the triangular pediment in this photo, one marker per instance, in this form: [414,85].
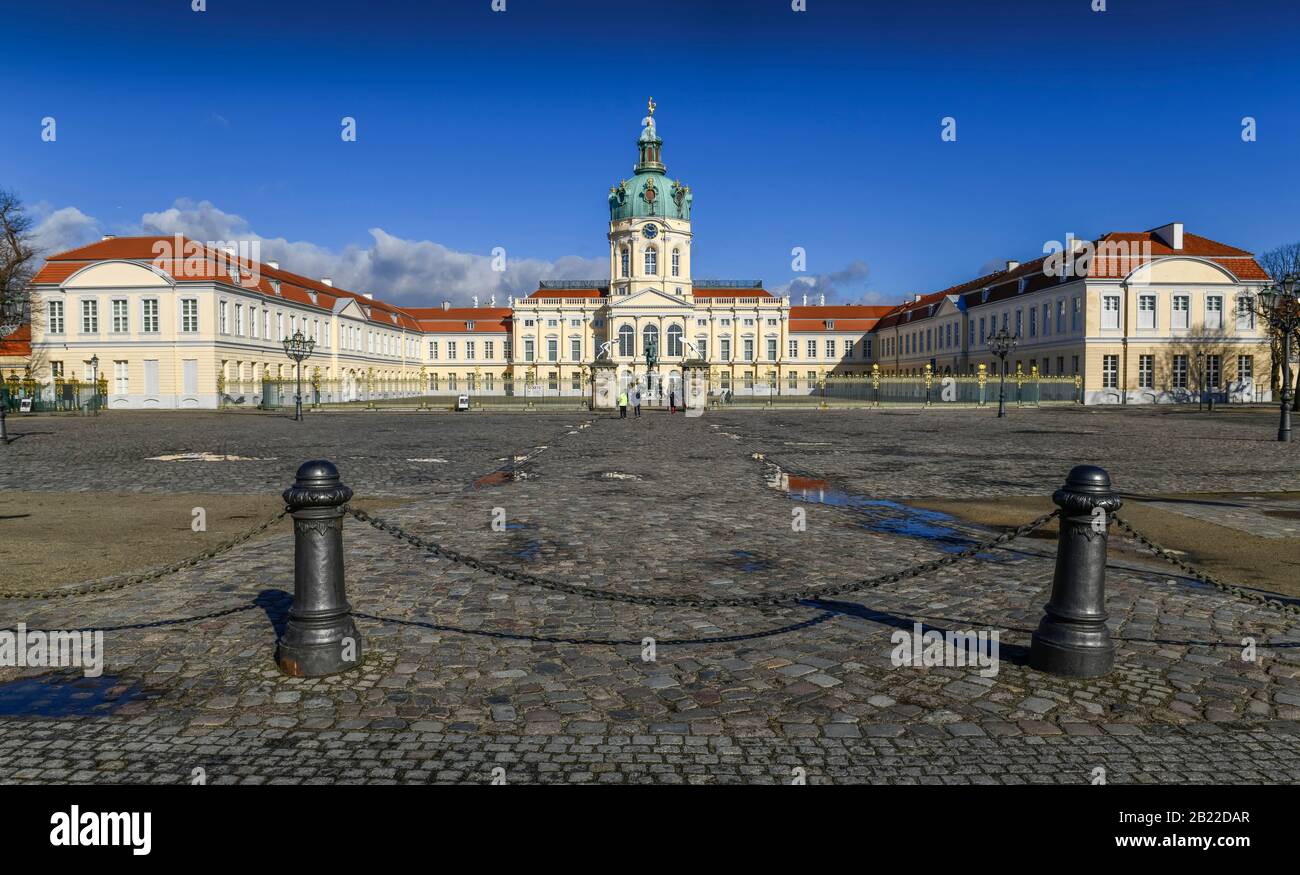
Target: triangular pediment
[350,308]
[649,298]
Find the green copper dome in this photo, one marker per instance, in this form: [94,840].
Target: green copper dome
[650,192]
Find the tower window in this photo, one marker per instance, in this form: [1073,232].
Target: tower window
[677,262]
[626,259]
[651,261]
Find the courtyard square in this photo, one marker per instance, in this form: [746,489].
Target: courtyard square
[466,671]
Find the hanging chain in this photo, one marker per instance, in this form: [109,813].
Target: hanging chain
[784,598]
[123,583]
[1231,589]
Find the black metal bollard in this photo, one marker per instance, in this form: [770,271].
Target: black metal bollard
[320,638]
[1072,640]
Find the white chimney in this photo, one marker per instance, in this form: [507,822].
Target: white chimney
[446,305]
[1012,265]
[492,301]
[274,265]
[476,302]
[327,281]
[1172,234]
[805,300]
[916,299]
[108,237]
[368,296]
[821,300]
[510,301]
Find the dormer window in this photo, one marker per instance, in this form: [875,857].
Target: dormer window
[830,324]
[469,326]
[1020,288]
[275,287]
[312,295]
[984,296]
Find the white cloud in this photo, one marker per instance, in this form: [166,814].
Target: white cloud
[404,272]
[846,286]
[59,230]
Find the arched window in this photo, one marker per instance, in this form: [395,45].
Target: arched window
[626,341]
[677,262]
[626,259]
[650,339]
[674,340]
[651,261]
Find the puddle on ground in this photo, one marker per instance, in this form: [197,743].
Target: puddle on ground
[438,461]
[748,562]
[529,552]
[619,475]
[65,695]
[883,516]
[208,457]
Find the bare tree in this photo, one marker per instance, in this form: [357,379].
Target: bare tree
[1279,263]
[19,260]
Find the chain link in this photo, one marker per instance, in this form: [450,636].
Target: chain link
[784,598]
[1231,589]
[109,586]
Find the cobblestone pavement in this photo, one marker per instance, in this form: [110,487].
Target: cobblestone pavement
[464,671]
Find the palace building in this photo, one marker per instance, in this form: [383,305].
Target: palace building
[173,323]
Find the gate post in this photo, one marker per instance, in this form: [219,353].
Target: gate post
[1072,640]
[320,638]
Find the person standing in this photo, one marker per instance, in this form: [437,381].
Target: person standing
[636,402]
[672,402]
[622,404]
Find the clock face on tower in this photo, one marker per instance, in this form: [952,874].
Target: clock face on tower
[650,231]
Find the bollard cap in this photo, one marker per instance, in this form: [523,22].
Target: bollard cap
[1086,478]
[1087,487]
[317,485]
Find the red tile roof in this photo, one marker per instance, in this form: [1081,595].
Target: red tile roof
[18,344]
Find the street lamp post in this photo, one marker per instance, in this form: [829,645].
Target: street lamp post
[298,348]
[11,317]
[1280,305]
[1001,344]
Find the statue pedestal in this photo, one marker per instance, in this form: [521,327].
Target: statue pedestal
[604,389]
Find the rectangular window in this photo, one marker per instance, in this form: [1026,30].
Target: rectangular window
[189,315]
[792,380]
[149,322]
[489,349]
[812,349]
[794,349]
[507,349]
[151,376]
[252,322]
[749,349]
[1213,371]
[190,376]
[552,350]
[1180,371]
[224,324]
[1246,368]
[54,317]
[1110,371]
[451,382]
[1074,316]
[1147,311]
[239,320]
[1178,318]
[529,350]
[120,378]
[749,380]
[1146,371]
[1060,317]
[1245,313]
[724,349]
[1214,312]
[981,330]
[1047,319]
[451,350]
[433,350]
[575,349]
[771,349]
[469,350]
[90,317]
[1033,321]
[1110,312]
[830,349]
[1074,364]
[121,322]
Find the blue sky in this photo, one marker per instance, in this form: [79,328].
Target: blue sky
[818,129]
